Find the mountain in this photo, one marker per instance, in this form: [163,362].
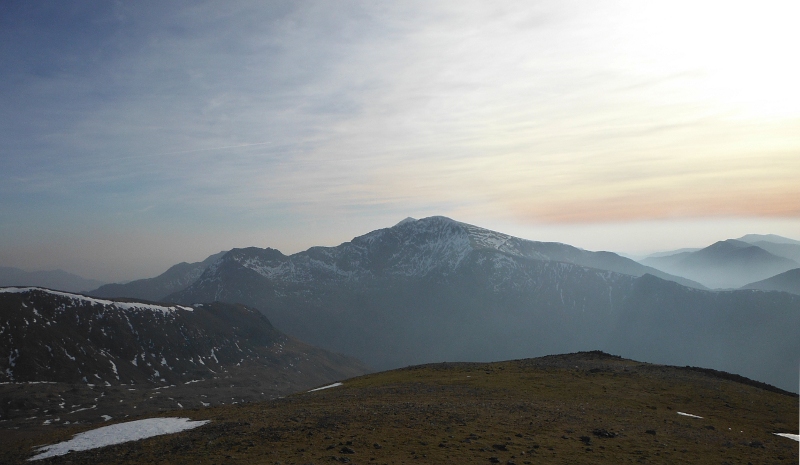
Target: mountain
[440,290]
[73,359]
[563,409]
[55,279]
[776,245]
[672,252]
[788,281]
[790,251]
[726,264]
[745,332]
[772,238]
[53,336]
[176,278]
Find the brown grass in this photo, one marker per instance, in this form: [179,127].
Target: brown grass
[578,408]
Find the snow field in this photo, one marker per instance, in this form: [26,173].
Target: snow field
[117,434]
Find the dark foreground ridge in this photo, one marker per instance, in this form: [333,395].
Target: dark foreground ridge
[599,355]
[743,380]
[587,407]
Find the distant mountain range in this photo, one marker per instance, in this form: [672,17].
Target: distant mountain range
[732,263]
[60,337]
[54,279]
[176,278]
[436,289]
[770,238]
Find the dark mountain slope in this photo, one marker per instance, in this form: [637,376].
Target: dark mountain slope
[55,279]
[175,279]
[492,306]
[58,337]
[784,282]
[724,264]
[751,333]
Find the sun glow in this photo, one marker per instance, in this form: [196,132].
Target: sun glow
[736,55]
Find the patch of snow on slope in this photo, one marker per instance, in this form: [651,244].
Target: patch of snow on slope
[117,434]
[796,437]
[326,387]
[688,415]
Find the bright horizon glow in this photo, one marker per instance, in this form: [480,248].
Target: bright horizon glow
[135,138]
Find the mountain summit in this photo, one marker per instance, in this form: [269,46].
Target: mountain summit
[436,289]
[416,248]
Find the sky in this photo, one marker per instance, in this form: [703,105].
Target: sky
[136,135]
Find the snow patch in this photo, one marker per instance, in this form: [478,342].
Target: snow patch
[326,387]
[688,415]
[117,434]
[796,437]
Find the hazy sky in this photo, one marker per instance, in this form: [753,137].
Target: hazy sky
[135,135]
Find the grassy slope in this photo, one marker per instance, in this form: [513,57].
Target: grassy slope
[547,410]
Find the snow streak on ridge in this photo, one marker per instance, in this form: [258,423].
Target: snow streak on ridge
[94,301]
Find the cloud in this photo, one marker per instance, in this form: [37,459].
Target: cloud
[258,115]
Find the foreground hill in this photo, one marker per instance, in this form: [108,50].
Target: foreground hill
[438,290]
[577,408]
[785,282]
[54,279]
[726,264]
[91,354]
[176,278]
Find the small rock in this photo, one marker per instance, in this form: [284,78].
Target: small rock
[347,450]
[651,431]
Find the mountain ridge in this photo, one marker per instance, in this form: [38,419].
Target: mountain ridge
[176,278]
[56,336]
[788,281]
[436,289]
[52,279]
[728,264]
[444,243]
